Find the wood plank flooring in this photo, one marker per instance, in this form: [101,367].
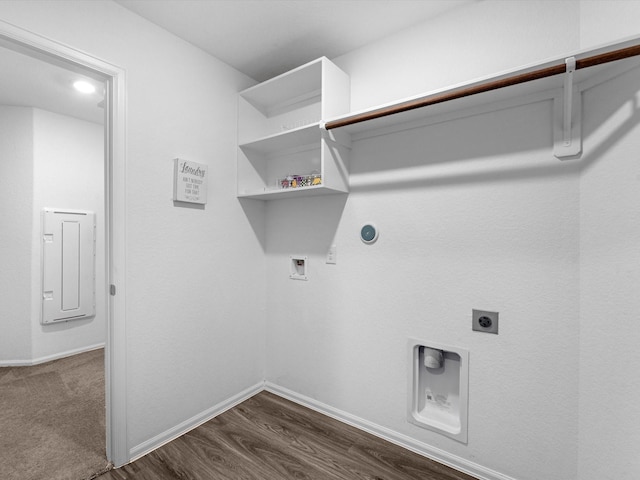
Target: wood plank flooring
[268,437]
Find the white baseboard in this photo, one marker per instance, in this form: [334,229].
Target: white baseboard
[433,453]
[49,358]
[167,436]
[400,439]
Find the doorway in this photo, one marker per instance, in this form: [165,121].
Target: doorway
[113,287]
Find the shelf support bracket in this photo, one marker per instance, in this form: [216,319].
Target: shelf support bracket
[568,117]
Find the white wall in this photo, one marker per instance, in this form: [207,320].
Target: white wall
[609,282]
[475,213]
[470,42]
[470,222]
[604,21]
[68,173]
[195,277]
[610,276]
[16,204]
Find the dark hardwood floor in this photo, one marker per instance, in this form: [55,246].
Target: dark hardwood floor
[268,437]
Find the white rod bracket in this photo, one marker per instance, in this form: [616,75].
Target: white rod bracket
[568,99]
[568,117]
[336,137]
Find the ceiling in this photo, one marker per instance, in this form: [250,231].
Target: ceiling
[264,38]
[261,38]
[31,82]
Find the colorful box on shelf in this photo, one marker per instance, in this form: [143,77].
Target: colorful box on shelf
[297,181]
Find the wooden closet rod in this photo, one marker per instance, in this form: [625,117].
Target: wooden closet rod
[592,61]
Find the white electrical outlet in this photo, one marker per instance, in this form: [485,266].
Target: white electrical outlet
[332,255]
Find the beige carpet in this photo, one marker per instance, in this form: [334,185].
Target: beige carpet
[52,419]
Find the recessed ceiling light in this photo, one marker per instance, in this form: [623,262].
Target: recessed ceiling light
[84,87]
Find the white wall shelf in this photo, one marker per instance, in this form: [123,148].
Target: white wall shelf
[279,132]
[279,142]
[469,98]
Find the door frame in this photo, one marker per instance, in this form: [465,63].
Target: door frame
[51,51]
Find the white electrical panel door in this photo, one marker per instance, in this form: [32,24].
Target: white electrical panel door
[68,265]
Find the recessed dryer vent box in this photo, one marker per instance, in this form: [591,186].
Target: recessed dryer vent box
[298,267]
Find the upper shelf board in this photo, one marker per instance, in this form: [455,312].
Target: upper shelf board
[300,82]
[305,135]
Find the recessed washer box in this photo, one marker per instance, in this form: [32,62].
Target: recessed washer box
[439,397]
[298,267]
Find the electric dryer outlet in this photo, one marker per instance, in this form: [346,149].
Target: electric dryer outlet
[484,321]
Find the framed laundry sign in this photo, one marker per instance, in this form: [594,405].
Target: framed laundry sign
[189,181]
